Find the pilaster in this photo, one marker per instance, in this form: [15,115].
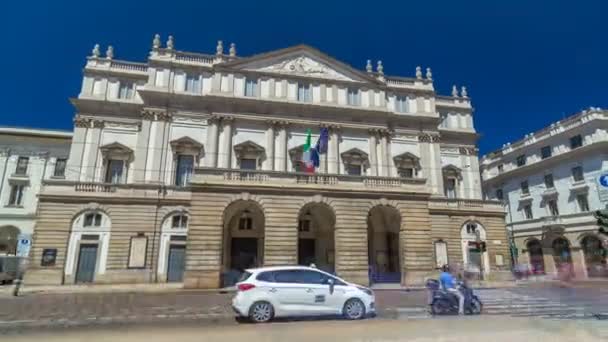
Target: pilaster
[333,153]
[280,162]
[212,141]
[373,143]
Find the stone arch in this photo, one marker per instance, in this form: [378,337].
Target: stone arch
[172,245]
[316,224]
[384,245]
[475,261]
[9,236]
[243,232]
[89,242]
[383,201]
[536,256]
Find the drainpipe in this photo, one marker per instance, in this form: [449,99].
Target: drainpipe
[8,155]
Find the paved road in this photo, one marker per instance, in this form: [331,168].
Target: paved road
[470,329]
[48,310]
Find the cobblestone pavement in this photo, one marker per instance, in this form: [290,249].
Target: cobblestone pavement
[73,309]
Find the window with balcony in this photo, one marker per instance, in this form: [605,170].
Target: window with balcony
[401,105]
[553,209]
[193,84]
[304,93]
[406,172]
[60,165]
[248,164]
[499,194]
[450,188]
[521,160]
[353,169]
[545,152]
[576,141]
[92,220]
[22,164]
[114,171]
[501,168]
[549,181]
[528,212]
[16,195]
[251,87]
[183,169]
[583,202]
[525,190]
[353,97]
[577,174]
[126,90]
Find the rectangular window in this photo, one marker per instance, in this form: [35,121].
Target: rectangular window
[583,203]
[549,181]
[501,168]
[22,165]
[92,219]
[525,190]
[406,172]
[16,196]
[577,174]
[248,164]
[401,105]
[353,169]
[60,165]
[521,160]
[528,211]
[553,209]
[183,169]
[499,194]
[160,78]
[304,93]
[245,223]
[126,90]
[450,188]
[576,141]
[179,221]
[441,253]
[353,97]
[114,171]
[545,152]
[251,87]
[193,83]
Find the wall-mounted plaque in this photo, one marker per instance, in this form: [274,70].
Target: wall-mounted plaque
[137,252]
[49,256]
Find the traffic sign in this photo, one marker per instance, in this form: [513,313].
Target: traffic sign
[602,187]
[24,243]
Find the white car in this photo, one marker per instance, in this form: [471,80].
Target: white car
[289,291]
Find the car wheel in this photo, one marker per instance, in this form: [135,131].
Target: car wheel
[261,312]
[354,309]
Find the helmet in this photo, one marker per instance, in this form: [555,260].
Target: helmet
[445,268]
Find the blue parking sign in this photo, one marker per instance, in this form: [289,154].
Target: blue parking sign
[604,180]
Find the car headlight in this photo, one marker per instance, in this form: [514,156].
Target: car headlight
[369,292]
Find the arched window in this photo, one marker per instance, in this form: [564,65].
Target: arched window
[8,240]
[179,221]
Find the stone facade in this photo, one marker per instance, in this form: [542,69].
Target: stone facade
[188,168]
[549,182]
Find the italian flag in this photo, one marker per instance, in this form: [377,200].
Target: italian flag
[307,161]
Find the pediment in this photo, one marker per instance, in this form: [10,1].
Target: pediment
[115,147]
[303,61]
[185,141]
[248,146]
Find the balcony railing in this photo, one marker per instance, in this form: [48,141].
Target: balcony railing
[466,204]
[269,178]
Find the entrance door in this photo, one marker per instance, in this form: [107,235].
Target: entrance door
[306,251]
[175,265]
[87,258]
[243,253]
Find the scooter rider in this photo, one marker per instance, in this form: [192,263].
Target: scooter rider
[448,282]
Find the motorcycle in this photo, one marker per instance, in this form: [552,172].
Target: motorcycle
[443,302]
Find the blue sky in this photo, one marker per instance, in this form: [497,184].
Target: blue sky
[525,63]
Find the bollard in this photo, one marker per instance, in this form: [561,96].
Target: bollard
[17,287]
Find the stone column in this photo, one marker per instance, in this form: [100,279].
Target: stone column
[280,157]
[384,148]
[79,140]
[141,149]
[373,158]
[212,137]
[578,263]
[431,162]
[270,137]
[550,269]
[156,161]
[225,158]
[92,163]
[333,153]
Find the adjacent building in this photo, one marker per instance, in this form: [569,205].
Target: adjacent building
[27,158]
[188,167]
[550,184]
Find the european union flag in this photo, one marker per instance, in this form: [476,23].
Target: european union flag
[323,141]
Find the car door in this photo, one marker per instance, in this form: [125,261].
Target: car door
[317,291]
[295,297]
[334,300]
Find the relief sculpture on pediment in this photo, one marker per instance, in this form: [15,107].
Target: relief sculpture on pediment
[306,67]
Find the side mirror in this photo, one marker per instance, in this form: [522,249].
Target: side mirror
[331,285]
